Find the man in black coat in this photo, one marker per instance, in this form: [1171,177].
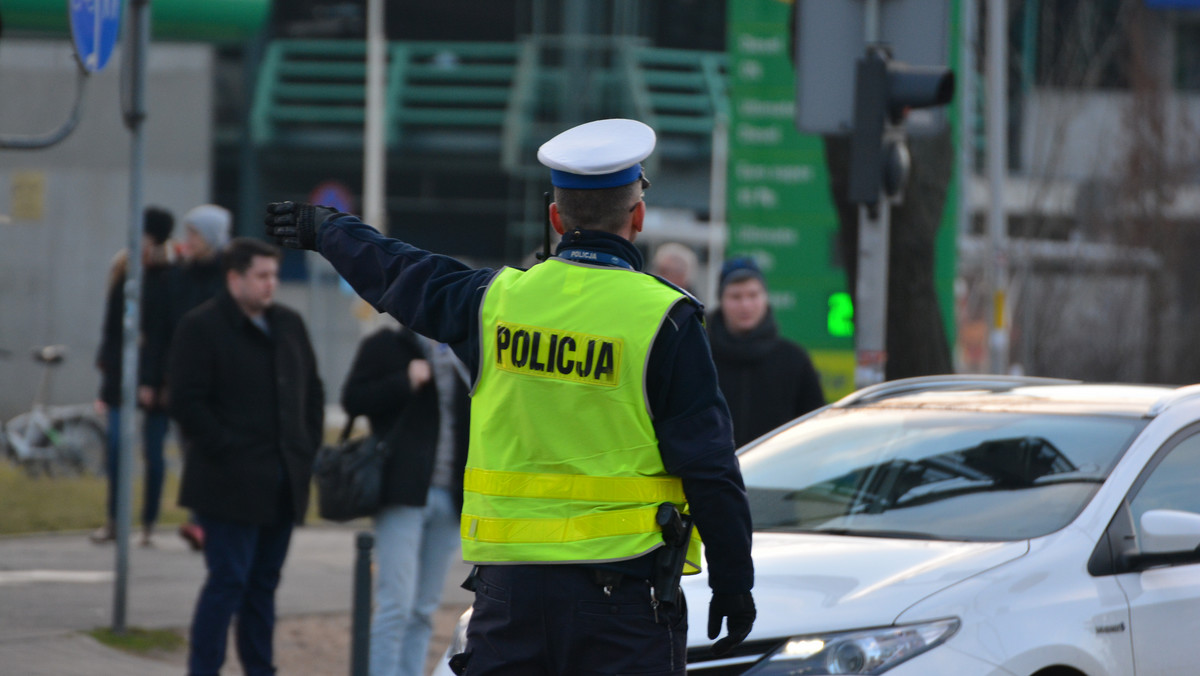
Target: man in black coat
[245,392]
[766,379]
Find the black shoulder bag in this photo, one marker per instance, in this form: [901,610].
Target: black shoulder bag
[349,476]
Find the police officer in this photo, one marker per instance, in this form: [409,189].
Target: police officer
[595,404]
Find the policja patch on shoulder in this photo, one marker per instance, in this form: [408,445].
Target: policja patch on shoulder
[561,355]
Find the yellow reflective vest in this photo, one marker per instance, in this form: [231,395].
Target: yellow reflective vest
[564,465]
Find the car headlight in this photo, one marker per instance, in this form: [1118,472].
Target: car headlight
[867,651]
[458,642]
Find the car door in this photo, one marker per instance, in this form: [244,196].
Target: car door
[1165,601]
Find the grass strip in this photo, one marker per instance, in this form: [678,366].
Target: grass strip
[139,641]
[47,504]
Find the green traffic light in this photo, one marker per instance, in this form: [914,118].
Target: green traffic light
[840,318]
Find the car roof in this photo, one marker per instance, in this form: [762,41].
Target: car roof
[1019,394]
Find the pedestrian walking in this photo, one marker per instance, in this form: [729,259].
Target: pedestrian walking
[250,408]
[766,378]
[595,410]
[153,340]
[411,391]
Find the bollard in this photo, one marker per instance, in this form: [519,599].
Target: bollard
[360,629]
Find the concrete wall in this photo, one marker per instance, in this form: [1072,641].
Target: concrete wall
[64,211]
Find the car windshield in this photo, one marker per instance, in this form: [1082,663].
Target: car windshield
[932,474]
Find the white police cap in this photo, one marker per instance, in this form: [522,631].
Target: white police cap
[599,154]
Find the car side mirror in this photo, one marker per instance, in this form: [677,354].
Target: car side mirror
[1169,530]
[1167,537]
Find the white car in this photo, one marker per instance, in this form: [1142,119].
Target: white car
[973,525]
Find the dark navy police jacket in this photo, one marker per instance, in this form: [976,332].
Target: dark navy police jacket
[439,297]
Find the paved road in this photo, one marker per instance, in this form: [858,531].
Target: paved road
[52,587]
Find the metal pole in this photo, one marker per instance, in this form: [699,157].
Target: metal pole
[375,135]
[47,139]
[966,112]
[360,632]
[967,44]
[139,45]
[575,28]
[871,22]
[997,166]
[874,224]
[870,315]
[717,227]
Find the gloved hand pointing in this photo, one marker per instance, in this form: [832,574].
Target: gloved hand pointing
[294,224]
[739,608]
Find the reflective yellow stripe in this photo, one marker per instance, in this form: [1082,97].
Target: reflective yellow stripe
[574,487]
[588,527]
[691,563]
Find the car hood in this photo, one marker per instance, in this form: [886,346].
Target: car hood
[806,583]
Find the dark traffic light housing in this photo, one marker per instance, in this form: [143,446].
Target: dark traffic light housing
[884,92]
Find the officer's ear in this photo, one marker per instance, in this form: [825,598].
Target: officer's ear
[638,217]
[555,219]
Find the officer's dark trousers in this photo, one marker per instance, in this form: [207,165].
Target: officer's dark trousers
[244,563]
[556,619]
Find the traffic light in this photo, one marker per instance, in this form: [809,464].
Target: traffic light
[884,92]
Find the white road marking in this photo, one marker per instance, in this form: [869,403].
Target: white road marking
[15,577]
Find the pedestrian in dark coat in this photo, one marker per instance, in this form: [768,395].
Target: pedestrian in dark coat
[153,341]
[198,276]
[378,387]
[414,392]
[766,378]
[250,407]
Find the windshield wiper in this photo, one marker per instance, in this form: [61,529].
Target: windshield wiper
[1051,479]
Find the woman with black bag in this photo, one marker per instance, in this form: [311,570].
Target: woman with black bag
[414,393]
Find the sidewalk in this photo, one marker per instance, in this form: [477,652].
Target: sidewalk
[53,587]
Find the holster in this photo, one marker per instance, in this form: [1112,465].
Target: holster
[472,579]
[671,557]
[458,663]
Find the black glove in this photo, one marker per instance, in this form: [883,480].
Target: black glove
[294,224]
[739,608]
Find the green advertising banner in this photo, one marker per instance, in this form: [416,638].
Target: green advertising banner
[779,207]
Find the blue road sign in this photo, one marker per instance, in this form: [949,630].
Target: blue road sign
[333,194]
[94,28]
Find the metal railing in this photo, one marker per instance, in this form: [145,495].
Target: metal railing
[482,97]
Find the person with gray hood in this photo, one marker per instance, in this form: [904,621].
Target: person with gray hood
[197,277]
[206,230]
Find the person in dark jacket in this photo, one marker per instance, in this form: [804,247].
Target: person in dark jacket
[766,378]
[154,339]
[414,393]
[199,274]
[250,408]
[197,277]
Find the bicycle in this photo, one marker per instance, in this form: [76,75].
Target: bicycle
[54,440]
